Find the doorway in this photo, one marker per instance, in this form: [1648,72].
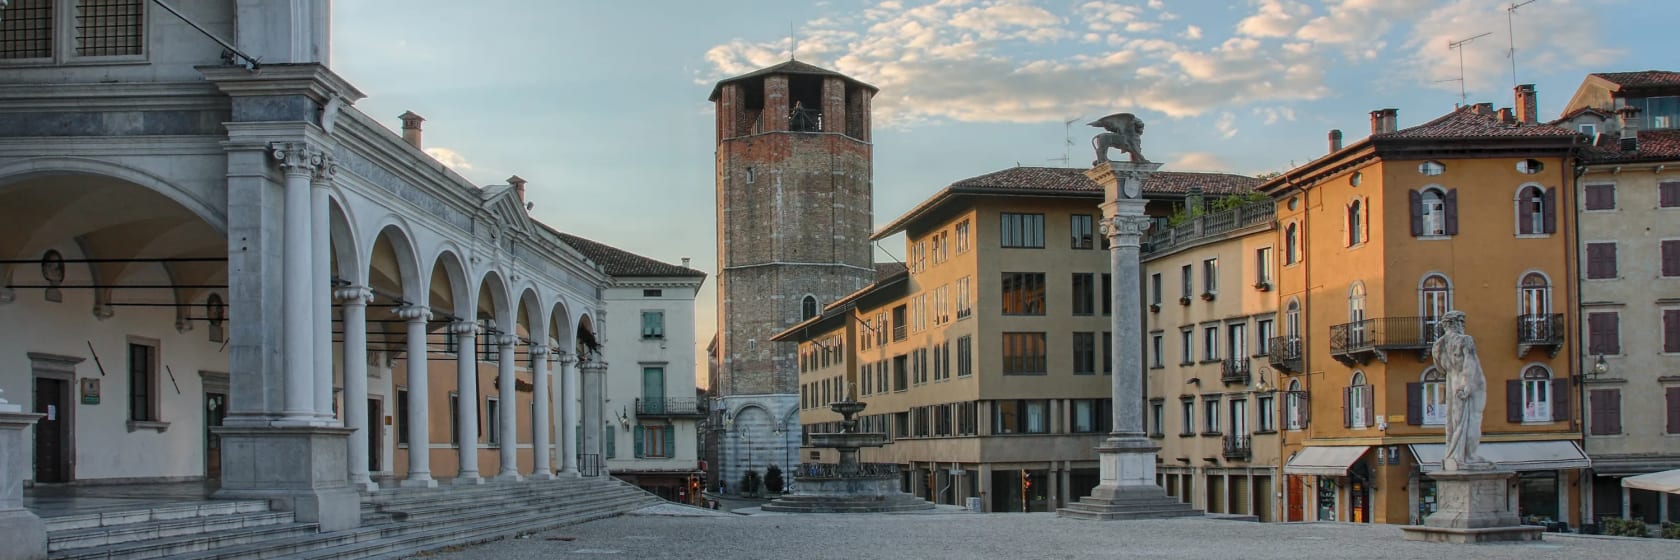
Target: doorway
[1297,497]
[215,410]
[375,432]
[52,432]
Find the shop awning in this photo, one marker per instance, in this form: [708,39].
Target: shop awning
[1514,455]
[1665,481]
[1324,461]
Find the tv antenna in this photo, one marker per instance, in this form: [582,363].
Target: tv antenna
[1511,33]
[1067,141]
[1463,96]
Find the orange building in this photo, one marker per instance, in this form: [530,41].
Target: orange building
[1377,240]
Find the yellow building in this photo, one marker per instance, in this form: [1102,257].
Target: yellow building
[984,358]
[1469,211]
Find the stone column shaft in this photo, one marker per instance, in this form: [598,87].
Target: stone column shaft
[540,418]
[298,162]
[466,390]
[355,300]
[508,411]
[568,414]
[419,401]
[320,283]
[593,369]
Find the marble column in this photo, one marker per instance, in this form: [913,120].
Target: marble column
[594,371]
[419,401]
[320,284]
[298,162]
[354,300]
[568,414]
[466,387]
[25,534]
[540,418]
[507,413]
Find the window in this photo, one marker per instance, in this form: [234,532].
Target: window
[492,408]
[1670,258]
[1157,417]
[1084,295]
[1356,314]
[1108,353]
[1427,403]
[26,30]
[100,27]
[1080,226]
[653,324]
[918,256]
[1431,168]
[1671,331]
[941,305]
[962,236]
[1238,417]
[900,323]
[1155,288]
[1092,416]
[1296,409]
[1210,412]
[402,417]
[1266,421]
[1661,112]
[1535,307]
[1355,224]
[1601,260]
[455,418]
[1589,129]
[807,309]
[1023,293]
[1264,330]
[1434,300]
[1673,394]
[1024,231]
[1263,268]
[901,373]
[1184,283]
[1291,245]
[1668,195]
[1600,197]
[1434,212]
[610,439]
[1186,343]
[965,356]
[654,441]
[1292,320]
[1603,333]
[1020,417]
[1187,417]
[1210,276]
[1536,395]
[1023,353]
[1530,166]
[1356,402]
[1156,345]
[964,309]
[142,382]
[1236,341]
[1210,343]
[1536,210]
[1107,294]
[1084,353]
[1604,417]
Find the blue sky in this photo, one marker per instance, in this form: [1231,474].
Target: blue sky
[602,105]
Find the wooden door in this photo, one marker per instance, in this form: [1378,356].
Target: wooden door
[52,432]
[215,410]
[375,428]
[1297,494]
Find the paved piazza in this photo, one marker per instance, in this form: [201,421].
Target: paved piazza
[657,533]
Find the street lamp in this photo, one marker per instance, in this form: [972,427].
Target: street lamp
[787,456]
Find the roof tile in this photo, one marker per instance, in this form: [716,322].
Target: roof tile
[1070,180]
[618,262]
[1654,145]
[1642,78]
[1465,122]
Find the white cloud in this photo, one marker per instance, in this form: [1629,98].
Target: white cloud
[1226,125]
[1557,37]
[1192,32]
[1275,18]
[450,158]
[1274,114]
[1197,161]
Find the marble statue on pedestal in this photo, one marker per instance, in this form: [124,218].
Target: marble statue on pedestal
[1455,355]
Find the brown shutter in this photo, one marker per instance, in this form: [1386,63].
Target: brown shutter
[1606,412]
[1347,407]
[1612,333]
[1671,258]
[1452,211]
[1671,330]
[1416,200]
[1560,399]
[1513,401]
[1595,410]
[1548,203]
[1525,223]
[1674,410]
[1414,404]
[1370,405]
[1613,416]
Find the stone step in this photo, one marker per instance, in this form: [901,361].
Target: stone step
[444,506]
[1101,509]
[69,539]
[183,510]
[479,531]
[170,547]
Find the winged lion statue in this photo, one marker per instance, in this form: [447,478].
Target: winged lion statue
[1125,133]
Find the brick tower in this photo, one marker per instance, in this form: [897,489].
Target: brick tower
[794,213]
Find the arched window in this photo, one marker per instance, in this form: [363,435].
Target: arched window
[1434,398]
[1291,245]
[1432,210]
[1355,225]
[1356,314]
[1356,402]
[808,308]
[1295,407]
[1292,328]
[1536,208]
[1536,394]
[1434,300]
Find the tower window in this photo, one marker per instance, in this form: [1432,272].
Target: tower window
[808,308]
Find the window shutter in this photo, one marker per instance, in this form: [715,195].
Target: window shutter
[1414,404]
[1671,330]
[1549,205]
[1364,220]
[1671,258]
[1513,401]
[670,440]
[1674,410]
[1525,220]
[1612,333]
[1369,405]
[637,440]
[1668,195]
[1415,198]
[1451,205]
[1560,399]
[1613,412]
[610,439]
[1606,412]
[1347,407]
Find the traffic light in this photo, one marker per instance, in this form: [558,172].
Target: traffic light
[1026,487]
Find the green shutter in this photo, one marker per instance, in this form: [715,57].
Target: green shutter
[670,440]
[611,442]
[578,441]
[638,441]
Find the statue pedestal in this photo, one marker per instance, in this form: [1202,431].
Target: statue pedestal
[24,535]
[1126,488]
[1474,507]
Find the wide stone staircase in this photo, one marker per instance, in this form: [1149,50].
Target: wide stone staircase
[1150,504]
[396,523]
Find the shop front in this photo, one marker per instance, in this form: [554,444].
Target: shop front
[1337,477]
[1546,472]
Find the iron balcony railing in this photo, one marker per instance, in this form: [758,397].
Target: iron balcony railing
[1162,237]
[832,470]
[1239,447]
[1540,329]
[1359,339]
[671,407]
[1285,353]
[1234,371]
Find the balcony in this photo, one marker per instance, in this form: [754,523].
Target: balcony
[670,407]
[1284,353]
[1359,341]
[1540,331]
[1234,371]
[1239,447]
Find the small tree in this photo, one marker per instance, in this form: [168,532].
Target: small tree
[773,482]
[749,483]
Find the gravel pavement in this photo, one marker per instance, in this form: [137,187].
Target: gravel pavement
[665,532]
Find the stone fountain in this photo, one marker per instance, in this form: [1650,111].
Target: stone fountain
[847,486]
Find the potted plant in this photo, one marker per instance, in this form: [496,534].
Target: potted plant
[1263,286]
[773,482]
[1154,308]
[1207,296]
[1184,300]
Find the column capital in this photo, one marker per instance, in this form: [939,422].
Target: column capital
[566,359]
[326,171]
[1124,230]
[354,295]
[537,350]
[507,340]
[297,157]
[464,327]
[413,313]
[594,366]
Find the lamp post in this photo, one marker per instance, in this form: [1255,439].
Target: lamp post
[782,430]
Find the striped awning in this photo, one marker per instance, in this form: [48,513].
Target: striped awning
[1324,461]
[1513,455]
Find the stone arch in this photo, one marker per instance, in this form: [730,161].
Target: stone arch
[494,302]
[342,241]
[397,238]
[559,327]
[448,270]
[211,211]
[527,313]
[586,340]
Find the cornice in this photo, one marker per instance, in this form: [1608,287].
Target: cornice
[314,80]
[124,96]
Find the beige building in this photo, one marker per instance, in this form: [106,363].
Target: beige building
[1629,215]
[984,358]
[1212,401]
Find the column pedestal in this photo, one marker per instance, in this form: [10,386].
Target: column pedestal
[24,533]
[1472,507]
[295,468]
[1126,487]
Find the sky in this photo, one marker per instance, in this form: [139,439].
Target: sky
[602,105]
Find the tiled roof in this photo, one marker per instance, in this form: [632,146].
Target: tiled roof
[618,262]
[1073,180]
[789,67]
[884,271]
[1582,111]
[1654,145]
[1465,122]
[1642,78]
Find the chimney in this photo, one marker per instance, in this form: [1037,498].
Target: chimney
[411,128]
[1629,115]
[1482,109]
[1390,119]
[518,186]
[1505,115]
[685,262]
[1377,121]
[1528,111]
[1335,140]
